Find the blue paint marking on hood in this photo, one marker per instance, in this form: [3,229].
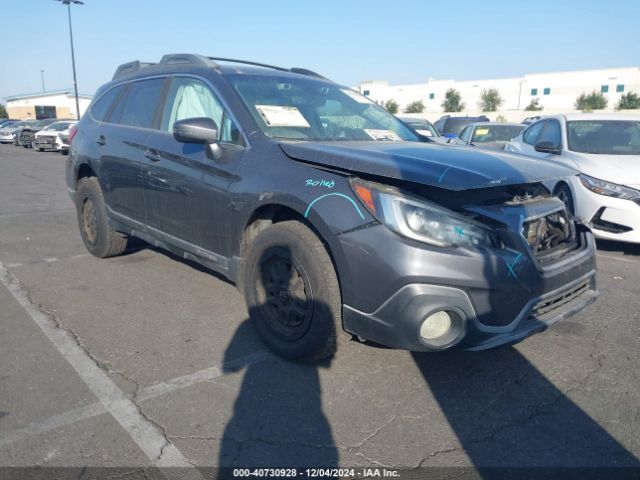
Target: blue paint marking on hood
[448,167]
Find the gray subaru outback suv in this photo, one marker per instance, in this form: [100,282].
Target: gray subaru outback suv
[326,211]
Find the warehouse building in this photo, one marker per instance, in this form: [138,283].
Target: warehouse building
[54,104]
[555,92]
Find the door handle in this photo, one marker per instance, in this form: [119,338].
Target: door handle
[101,140]
[152,155]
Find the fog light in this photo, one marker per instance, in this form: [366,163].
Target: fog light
[435,325]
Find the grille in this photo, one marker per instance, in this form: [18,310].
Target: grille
[552,233]
[550,304]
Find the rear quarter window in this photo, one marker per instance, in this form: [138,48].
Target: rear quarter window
[100,108]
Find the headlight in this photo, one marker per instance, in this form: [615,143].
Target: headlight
[609,189]
[419,219]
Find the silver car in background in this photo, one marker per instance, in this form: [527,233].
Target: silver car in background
[493,136]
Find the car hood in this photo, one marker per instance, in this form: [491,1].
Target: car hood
[449,167]
[621,169]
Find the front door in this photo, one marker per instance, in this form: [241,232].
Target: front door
[185,185]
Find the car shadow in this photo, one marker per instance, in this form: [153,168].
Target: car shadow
[507,414]
[277,418]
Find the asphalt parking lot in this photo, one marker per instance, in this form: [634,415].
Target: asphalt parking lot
[148,360]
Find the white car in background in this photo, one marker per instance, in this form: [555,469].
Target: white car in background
[605,149]
[54,137]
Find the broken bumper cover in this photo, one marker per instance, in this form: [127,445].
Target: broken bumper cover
[503,304]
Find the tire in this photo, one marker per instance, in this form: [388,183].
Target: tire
[292,293]
[563,192]
[99,238]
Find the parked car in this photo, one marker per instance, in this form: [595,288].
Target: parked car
[530,120]
[8,132]
[450,127]
[28,132]
[605,149]
[421,126]
[20,126]
[325,210]
[6,121]
[493,136]
[54,137]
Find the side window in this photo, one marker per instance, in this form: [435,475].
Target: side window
[531,133]
[466,134]
[188,98]
[139,106]
[229,132]
[552,133]
[100,109]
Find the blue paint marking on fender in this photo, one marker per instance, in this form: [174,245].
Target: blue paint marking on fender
[459,231]
[443,174]
[329,195]
[511,265]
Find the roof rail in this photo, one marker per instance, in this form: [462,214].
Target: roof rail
[304,71]
[247,62]
[186,58]
[301,71]
[192,59]
[130,67]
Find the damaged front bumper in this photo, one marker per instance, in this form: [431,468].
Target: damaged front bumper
[496,296]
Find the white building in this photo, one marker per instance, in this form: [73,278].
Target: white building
[54,104]
[556,92]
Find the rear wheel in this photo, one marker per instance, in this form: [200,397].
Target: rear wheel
[98,236]
[292,292]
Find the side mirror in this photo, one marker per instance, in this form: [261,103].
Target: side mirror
[196,130]
[547,147]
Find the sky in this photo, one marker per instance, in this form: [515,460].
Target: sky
[401,41]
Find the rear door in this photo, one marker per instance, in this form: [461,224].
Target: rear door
[185,185]
[121,143]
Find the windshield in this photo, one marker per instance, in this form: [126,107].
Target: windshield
[58,127]
[455,125]
[607,137]
[495,133]
[306,109]
[423,128]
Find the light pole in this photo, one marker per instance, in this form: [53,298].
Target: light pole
[73,57]
[42,75]
[524,80]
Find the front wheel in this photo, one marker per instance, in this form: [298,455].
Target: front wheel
[292,292]
[97,234]
[563,192]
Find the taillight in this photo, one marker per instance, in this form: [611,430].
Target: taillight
[72,133]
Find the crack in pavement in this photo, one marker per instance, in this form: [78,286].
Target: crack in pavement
[148,437]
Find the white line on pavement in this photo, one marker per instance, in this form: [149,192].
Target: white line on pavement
[36,212]
[144,433]
[613,257]
[46,260]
